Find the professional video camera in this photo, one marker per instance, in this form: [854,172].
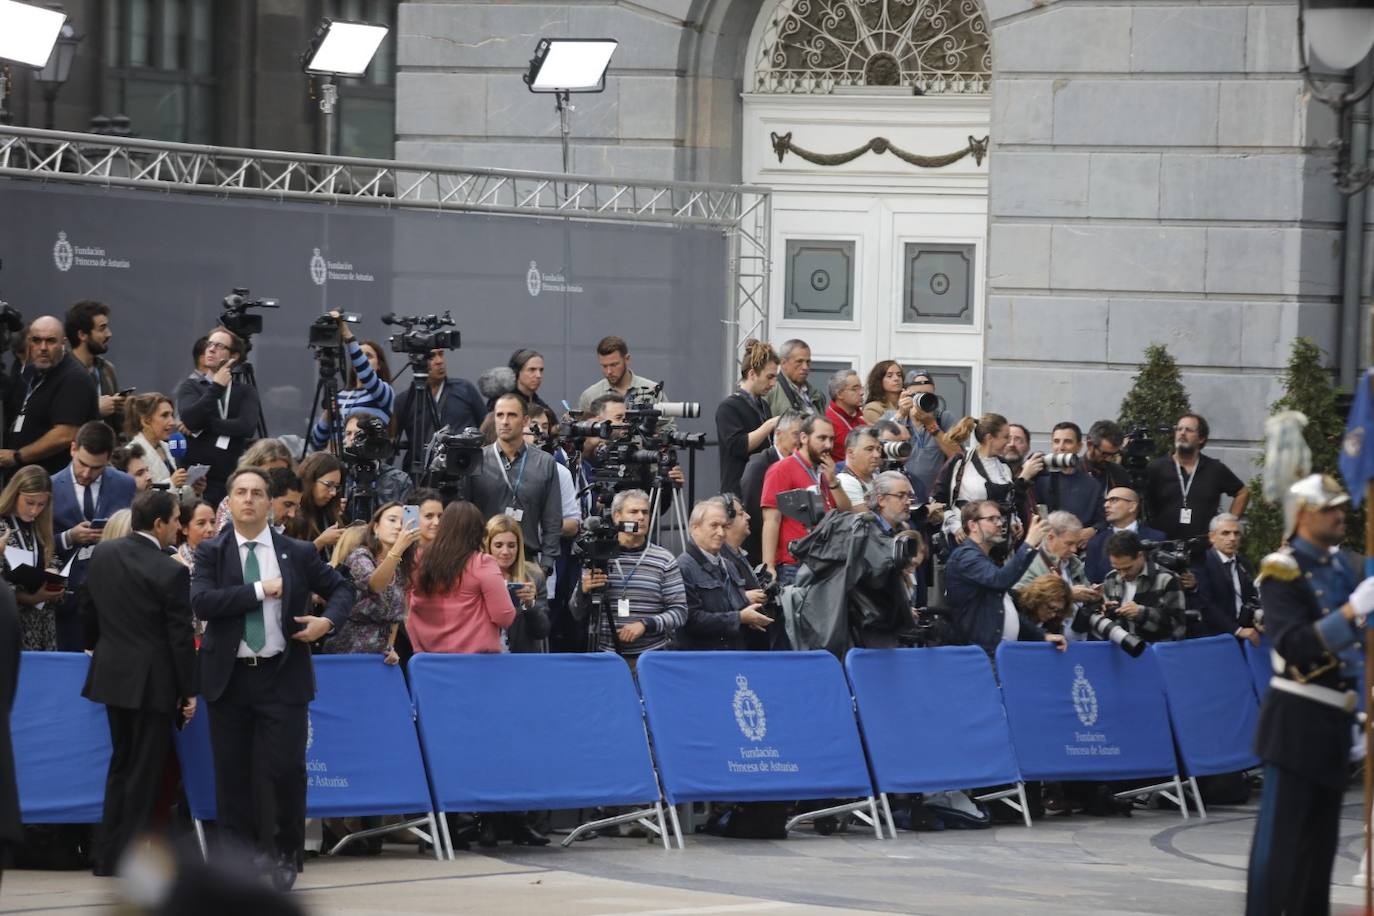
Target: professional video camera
[453,456]
[1104,627]
[1175,556]
[371,444]
[422,334]
[598,539]
[1138,451]
[11,322]
[235,316]
[325,333]
[637,453]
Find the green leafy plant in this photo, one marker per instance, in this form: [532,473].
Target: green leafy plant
[1157,398]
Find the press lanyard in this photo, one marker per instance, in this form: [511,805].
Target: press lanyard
[1178,469]
[28,393]
[224,401]
[17,527]
[625,583]
[815,478]
[501,466]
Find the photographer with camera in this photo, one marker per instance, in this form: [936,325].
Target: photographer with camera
[1102,459]
[369,393]
[982,474]
[1225,591]
[863,457]
[929,425]
[718,611]
[1064,487]
[744,421]
[1121,508]
[453,402]
[219,410]
[1184,490]
[52,397]
[368,449]
[640,587]
[792,392]
[978,590]
[811,467]
[1139,594]
[521,481]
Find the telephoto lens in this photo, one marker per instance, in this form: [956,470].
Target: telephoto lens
[895,451]
[1105,627]
[1060,462]
[927,402]
[687,410]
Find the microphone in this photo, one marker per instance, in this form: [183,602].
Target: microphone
[389,318]
[495,382]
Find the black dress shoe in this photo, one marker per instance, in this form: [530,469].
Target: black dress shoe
[283,873]
[101,870]
[525,835]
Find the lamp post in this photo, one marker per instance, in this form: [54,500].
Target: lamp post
[57,71]
[1339,35]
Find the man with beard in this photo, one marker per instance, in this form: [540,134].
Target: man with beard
[810,467]
[52,398]
[613,355]
[88,337]
[1102,458]
[1183,490]
[1018,447]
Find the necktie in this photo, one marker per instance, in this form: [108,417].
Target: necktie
[254,631]
[88,505]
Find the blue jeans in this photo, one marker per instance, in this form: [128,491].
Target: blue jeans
[787,573]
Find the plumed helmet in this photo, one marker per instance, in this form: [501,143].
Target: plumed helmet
[1315,491]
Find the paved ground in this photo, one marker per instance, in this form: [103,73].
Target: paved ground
[1152,863]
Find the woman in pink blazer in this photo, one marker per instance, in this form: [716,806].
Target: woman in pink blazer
[458,597]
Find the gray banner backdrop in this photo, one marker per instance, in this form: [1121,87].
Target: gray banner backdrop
[164,263]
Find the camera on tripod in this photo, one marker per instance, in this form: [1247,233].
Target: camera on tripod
[235,317]
[371,444]
[423,333]
[325,333]
[1138,451]
[598,539]
[454,456]
[1175,556]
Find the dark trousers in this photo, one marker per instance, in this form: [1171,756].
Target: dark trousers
[1294,846]
[246,717]
[71,636]
[139,742]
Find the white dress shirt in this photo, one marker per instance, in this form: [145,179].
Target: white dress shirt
[1230,564]
[271,607]
[67,543]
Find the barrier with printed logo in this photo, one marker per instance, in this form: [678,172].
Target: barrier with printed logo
[1212,706]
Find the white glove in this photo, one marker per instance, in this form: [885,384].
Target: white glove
[1362,598]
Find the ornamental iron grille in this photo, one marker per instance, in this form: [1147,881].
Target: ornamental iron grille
[928,46]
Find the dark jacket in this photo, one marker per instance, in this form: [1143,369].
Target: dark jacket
[715,596]
[531,626]
[221,599]
[117,491]
[850,590]
[1095,560]
[751,494]
[198,401]
[736,418]
[460,406]
[136,610]
[1215,595]
[974,586]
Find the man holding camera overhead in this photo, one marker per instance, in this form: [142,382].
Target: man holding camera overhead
[1066,487]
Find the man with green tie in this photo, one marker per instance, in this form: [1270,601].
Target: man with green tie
[252,587]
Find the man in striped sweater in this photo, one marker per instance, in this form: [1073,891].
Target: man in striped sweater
[643,589]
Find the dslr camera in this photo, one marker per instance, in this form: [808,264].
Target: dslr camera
[1106,628]
[895,454]
[1175,556]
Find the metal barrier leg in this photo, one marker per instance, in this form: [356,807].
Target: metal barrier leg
[877,822]
[662,826]
[887,813]
[447,840]
[1197,797]
[677,826]
[200,838]
[1025,806]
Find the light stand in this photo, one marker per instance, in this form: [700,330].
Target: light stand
[562,66]
[339,48]
[57,71]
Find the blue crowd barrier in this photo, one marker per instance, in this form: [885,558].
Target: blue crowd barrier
[518,732]
[1261,664]
[362,754]
[932,720]
[755,726]
[1212,706]
[1089,713]
[61,741]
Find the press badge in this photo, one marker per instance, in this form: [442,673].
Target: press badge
[622,607]
[19,423]
[1185,516]
[515,514]
[222,442]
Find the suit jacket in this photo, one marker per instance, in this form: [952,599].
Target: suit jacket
[197,402]
[1216,594]
[117,491]
[11,828]
[1095,560]
[751,494]
[220,598]
[136,609]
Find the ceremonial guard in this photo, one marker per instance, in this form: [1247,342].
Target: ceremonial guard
[1314,611]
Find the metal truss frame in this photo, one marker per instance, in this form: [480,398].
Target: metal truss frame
[742,212]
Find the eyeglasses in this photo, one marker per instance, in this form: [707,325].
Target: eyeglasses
[1106,454]
[990,518]
[216,345]
[1118,499]
[329,485]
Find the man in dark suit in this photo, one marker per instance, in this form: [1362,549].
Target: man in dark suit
[85,490]
[136,609]
[785,438]
[1225,591]
[220,409]
[252,587]
[1121,506]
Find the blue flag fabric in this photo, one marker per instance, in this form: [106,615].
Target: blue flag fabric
[1357,461]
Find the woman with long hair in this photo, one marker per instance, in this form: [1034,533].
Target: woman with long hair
[149,421]
[321,501]
[506,544]
[118,525]
[371,555]
[368,391]
[883,391]
[744,421]
[528,366]
[26,508]
[458,597]
[980,473]
[197,524]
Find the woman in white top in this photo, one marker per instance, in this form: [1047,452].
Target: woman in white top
[149,421]
[982,474]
